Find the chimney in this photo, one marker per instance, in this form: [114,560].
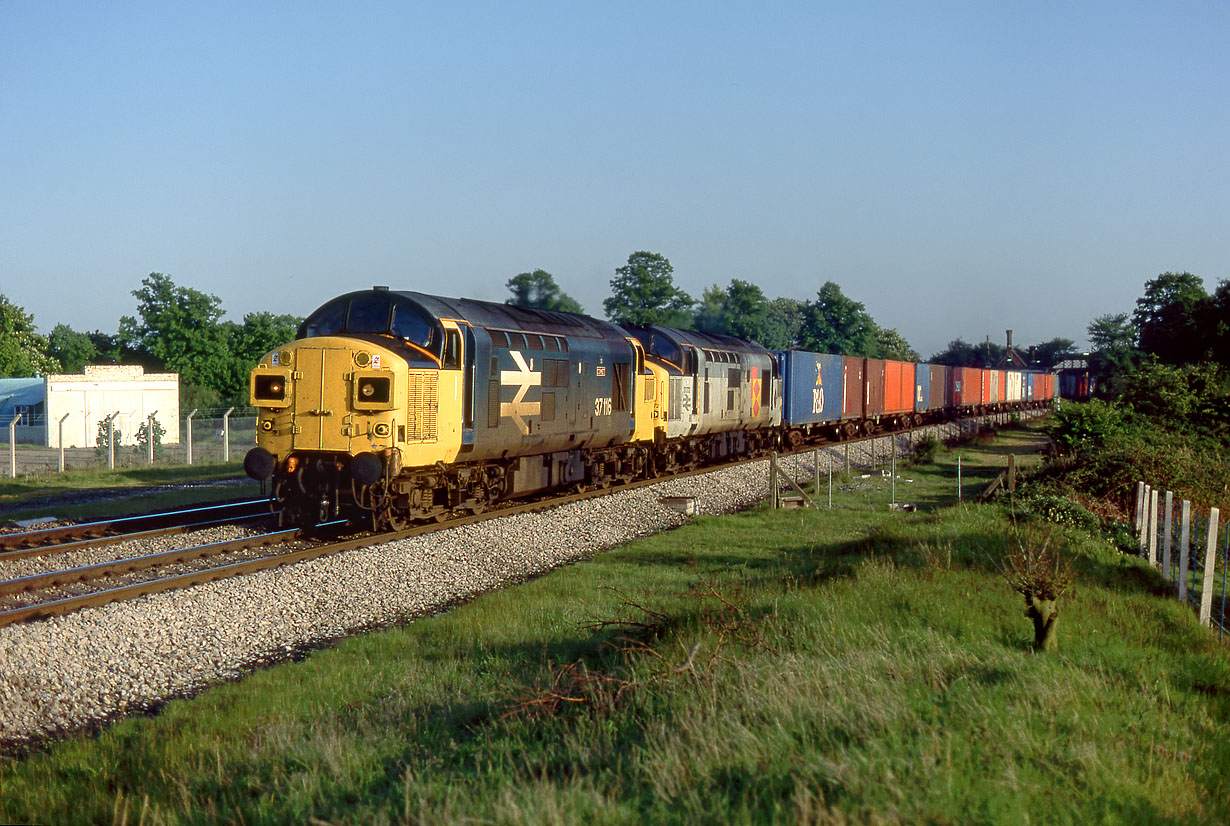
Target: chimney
[1009,339]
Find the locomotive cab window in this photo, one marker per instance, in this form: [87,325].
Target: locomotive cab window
[452,350]
[368,314]
[409,324]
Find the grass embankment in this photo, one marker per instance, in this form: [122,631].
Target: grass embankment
[852,665]
[24,497]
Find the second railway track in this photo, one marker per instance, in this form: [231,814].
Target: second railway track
[57,592]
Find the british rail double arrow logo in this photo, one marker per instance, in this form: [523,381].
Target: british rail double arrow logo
[523,379]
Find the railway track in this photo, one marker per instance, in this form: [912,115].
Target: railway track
[40,595]
[48,541]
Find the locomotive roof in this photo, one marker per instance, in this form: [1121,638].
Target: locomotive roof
[499,316]
[509,317]
[703,341]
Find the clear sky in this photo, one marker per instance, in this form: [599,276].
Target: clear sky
[959,167]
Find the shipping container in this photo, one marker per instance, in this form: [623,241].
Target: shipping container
[922,387]
[939,385]
[966,386]
[1027,385]
[813,387]
[1042,387]
[1013,388]
[873,388]
[898,387]
[985,395]
[853,397]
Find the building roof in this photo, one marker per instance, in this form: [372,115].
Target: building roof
[20,391]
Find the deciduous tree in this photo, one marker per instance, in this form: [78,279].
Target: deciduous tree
[1113,338]
[834,323]
[23,352]
[72,349]
[1169,318]
[180,330]
[643,291]
[539,291]
[1049,353]
[890,344]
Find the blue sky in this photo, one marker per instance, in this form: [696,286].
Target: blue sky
[960,168]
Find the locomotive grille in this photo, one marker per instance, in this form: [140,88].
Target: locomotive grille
[421,405]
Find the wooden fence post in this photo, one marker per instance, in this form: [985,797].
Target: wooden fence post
[1153,528]
[773,479]
[1167,533]
[1140,505]
[1185,541]
[1143,527]
[1210,565]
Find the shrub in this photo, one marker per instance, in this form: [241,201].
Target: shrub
[925,450]
[1079,428]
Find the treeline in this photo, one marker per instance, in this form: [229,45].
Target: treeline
[179,329]
[643,291]
[176,329]
[1170,357]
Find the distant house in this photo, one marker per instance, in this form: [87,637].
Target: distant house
[22,399]
[83,401]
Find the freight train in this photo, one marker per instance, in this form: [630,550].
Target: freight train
[393,407]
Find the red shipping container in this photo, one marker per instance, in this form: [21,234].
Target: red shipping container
[1001,387]
[898,387]
[852,394]
[873,382]
[966,386]
[984,379]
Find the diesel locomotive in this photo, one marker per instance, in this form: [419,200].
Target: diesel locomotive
[391,407]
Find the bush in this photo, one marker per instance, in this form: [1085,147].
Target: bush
[1079,428]
[925,450]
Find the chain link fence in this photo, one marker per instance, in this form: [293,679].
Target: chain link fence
[205,437]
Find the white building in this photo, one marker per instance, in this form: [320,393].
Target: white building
[84,400]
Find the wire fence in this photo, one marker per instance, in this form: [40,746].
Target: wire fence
[203,437]
[1190,548]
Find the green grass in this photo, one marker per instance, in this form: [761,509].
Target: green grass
[852,665]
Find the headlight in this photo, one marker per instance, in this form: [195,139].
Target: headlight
[375,390]
[270,388]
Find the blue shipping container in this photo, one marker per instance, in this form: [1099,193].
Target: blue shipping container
[922,387]
[813,387]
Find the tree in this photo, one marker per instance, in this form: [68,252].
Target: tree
[1049,353]
[538,290]
[180,331]
[1168,318]
[890,344]
[711,312]
[259,333]
[1218,322]
[23,352]
[1114,354]
[783,323]
[643,291]
[72,349]
[961,353]
[739,310]
[834,323]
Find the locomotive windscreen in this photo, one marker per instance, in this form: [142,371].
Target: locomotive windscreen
[378,314]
